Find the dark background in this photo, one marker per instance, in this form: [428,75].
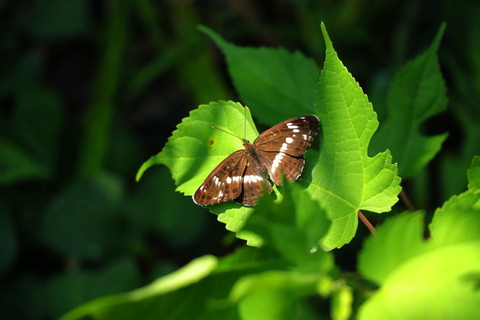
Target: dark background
[90,89]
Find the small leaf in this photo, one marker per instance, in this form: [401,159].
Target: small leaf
[474,174]
[345,179]
[16,165]
[294,226]
[276,84]
[417,93]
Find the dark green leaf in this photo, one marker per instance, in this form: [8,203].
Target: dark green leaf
[474,174]
[417,94]
[86,206]
[16,165]
[274,83]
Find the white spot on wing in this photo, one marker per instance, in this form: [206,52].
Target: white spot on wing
[289,140]
[284,147]
[276,161]
[296,130]
[252,178]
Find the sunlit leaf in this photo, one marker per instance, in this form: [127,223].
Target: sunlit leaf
[346,179]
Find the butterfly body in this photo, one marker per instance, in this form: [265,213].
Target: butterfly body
[275,153]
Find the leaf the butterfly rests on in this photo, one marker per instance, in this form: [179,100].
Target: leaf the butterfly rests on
[277,152]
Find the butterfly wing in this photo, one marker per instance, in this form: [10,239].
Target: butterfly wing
[254,186]
[279,164]
[225,181]
[282,146]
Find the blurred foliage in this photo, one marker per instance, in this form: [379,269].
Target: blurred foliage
[90,89]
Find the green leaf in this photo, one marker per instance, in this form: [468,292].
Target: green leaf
[16,165]
[68,290]
[434,279]
[155,300]
[345,179]
[86,206]
[293,226]
[417,93]
[37,121]
[474,174]
[276,84]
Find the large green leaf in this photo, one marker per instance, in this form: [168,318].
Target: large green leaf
[345,179]
[67,290]
[434,279]
[275,83]
[155,300]
[417,93]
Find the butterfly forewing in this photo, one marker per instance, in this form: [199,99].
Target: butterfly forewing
[282,147]
[225,182]
[293,136]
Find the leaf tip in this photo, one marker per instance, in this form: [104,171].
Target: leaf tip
[147,164]
[328,42]
[219,41]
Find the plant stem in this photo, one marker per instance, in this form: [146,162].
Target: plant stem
[406,200]
[95,140]
[366,222]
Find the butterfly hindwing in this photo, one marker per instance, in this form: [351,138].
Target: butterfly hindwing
[281,164]
[254,185]
[225,181]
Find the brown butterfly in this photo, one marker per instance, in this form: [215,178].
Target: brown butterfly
[277,152]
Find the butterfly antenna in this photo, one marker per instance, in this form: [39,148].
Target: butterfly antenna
[245,123]
[213,127]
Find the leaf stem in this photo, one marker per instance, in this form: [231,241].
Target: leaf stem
[406,200]
[366,222]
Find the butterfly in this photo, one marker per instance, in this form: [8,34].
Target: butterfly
[277,152]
